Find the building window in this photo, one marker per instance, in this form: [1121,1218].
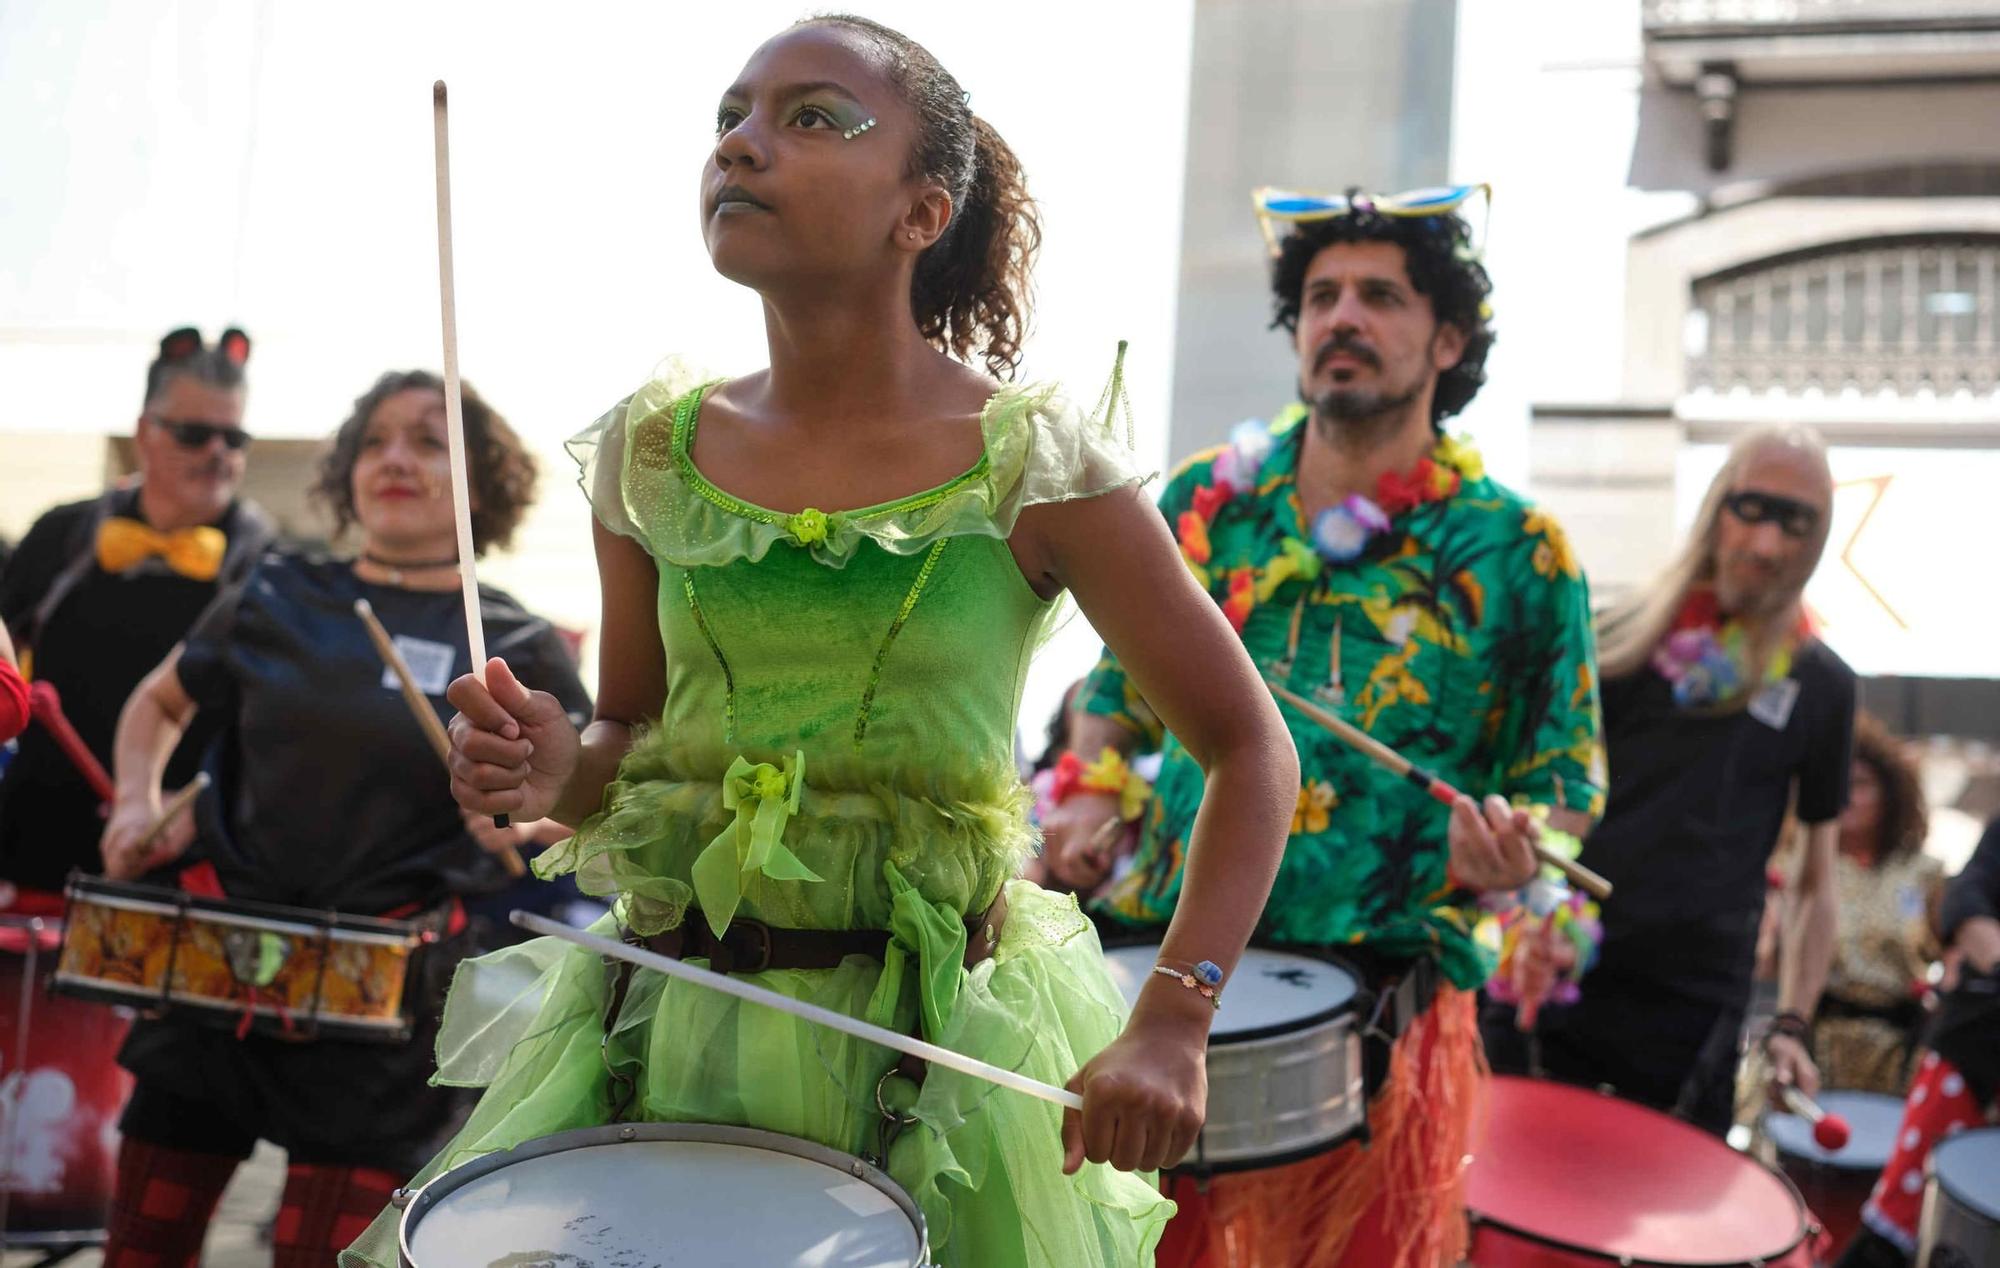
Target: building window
[1903,316]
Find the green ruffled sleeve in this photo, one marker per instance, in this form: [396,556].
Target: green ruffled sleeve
[601,449]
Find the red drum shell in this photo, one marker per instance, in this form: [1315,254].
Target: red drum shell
[61,1103]
[1565,1177]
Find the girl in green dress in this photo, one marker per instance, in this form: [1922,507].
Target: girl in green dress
[822,586]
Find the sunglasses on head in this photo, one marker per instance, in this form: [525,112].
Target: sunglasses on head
[1293,206]
[197,435]
[1795,519]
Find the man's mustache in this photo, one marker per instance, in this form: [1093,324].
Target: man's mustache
[1349,345]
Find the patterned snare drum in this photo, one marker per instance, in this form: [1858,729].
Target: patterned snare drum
[277,970]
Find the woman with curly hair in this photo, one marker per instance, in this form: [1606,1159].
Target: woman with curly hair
[326,796]
[1867,1025]
[822,584]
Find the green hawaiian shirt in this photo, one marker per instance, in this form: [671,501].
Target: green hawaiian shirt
[1460,636]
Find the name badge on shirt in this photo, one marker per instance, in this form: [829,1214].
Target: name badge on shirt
[430,664]
[1773,705]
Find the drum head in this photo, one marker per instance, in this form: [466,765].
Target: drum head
[674,1194]
[1967,1166]
[1872,1120]
[1586,1172]
[1271,992]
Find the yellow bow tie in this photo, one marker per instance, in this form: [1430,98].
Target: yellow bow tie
[194,553]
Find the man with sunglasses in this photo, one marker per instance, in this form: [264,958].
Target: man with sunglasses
[1721,709]
[100,590]
[1368,562]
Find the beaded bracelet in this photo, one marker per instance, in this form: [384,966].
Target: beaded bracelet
[1205,979]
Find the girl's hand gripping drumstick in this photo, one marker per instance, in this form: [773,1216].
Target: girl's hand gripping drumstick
[427,718]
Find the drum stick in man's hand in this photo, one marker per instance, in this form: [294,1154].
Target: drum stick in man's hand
[1579,875]
[454,410]
[176,806]
[420,708]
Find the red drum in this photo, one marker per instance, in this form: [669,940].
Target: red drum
[60,1093]
[1566,1177]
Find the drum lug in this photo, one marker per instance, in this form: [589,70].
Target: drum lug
[401,1198]
[628,1133]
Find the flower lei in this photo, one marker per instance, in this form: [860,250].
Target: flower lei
[1707,658]
[1545,907]
[1110,773]
[1339,534]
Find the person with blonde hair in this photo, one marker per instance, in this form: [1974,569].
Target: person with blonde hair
[1721,710]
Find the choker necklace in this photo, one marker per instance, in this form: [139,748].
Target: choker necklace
[396,570]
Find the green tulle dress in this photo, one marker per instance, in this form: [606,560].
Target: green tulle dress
[836,753]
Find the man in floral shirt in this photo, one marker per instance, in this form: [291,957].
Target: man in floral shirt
[1370,565]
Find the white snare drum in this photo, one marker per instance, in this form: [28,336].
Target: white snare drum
[665,1195]
[1961,1221]
[1284,1058]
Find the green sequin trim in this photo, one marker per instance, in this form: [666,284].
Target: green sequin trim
[895,628]
[728,679]
[688,410]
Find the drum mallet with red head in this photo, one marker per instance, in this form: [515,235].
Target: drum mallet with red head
[1830,1131]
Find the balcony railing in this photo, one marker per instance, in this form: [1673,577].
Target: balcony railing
[1674,17]
[1904,316]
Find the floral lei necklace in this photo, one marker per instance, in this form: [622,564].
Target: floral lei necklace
[1338,535]
[1707,658]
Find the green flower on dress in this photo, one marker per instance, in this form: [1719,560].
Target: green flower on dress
[808,527]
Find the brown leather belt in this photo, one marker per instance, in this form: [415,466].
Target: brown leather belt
[751,946]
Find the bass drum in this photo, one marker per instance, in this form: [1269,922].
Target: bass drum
[1836,1183]
[1568,1178]
[61,1091]
[1961,1222]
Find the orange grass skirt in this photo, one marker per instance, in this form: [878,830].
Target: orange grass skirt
[1396,1202]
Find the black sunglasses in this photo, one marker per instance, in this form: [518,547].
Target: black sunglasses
[1795,519]
[197,435]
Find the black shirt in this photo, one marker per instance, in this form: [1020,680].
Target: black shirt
[111,630]
[1695,806]
[327,794]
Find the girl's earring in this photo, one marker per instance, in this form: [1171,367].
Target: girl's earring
[857,130]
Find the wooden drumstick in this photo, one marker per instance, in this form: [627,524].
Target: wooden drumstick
[420,707]
[175,807]
[454,407]
[1579,875]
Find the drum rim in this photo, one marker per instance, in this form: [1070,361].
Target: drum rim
[1983,1209]
[1807,1228]
[249,912]
[1310,1021]
[419,1202]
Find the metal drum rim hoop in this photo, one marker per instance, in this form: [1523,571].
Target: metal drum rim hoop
[416,1204]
